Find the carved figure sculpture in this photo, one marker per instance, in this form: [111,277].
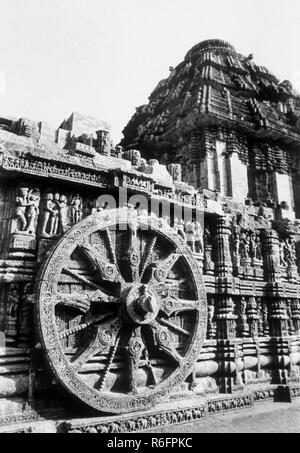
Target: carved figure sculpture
[55,216]
[245,246]
[21,205]
[76,210]
[63,214]
[48,213]
[32,212]
[290,252]
[199,242]
[282,254]
[190,235]
[253,246]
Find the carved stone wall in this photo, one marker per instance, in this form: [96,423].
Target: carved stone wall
[232,171]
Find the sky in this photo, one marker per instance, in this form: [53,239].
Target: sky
[103,58]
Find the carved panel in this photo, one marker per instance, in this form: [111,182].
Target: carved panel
[96,307]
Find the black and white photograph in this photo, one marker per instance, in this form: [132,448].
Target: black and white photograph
[149,219]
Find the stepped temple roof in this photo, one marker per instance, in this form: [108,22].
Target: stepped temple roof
[215,85]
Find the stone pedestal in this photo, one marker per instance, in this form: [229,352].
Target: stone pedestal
[22,245]
[230,355]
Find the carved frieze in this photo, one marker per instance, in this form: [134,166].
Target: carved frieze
[45,169]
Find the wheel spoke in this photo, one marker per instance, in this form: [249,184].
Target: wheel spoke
[113,256]
[100,297]
[103,339]
[109,272]
[110,246]
[174,327]
[135,350]
[108,366]
[77,301]
[164,342]
[161,269]
[82,301]
[147,257]
[150,367]
[80,278]
[134,258]
[68,332]
[171,305]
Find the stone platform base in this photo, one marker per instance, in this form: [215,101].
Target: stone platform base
[167,414]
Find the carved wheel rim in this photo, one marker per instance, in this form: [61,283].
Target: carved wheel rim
[121,311]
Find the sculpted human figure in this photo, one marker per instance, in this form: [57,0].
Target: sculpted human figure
[136,158]
[76,210]
[199,242]
[190,235]
[143,166]
[245,246]
[236,243]
[243,307]
[207,237]
[63,214]
[282,254]
[290,252]
[48,213]
[119,152]
[259,247]
[32,213]
[21,205]
[175,225]
[253,245]
[55,215]
[181,229]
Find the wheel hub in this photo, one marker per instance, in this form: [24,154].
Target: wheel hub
[141,304]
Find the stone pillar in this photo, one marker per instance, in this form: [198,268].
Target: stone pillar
[291,327]
[225,318]
[265,318]
[296,315]
[243,327]
[211,322]
[278,318]
[209,265]
[26,331]
[252,316]
[271,256]
[222,248]
[12,314]
[260,317]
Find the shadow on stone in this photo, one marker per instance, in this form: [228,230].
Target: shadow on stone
[282,395]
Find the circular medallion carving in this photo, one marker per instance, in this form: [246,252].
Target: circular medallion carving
[121,311]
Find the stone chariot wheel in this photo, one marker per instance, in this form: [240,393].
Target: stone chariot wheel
[121,311]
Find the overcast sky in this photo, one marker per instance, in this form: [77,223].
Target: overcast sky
[104,57]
